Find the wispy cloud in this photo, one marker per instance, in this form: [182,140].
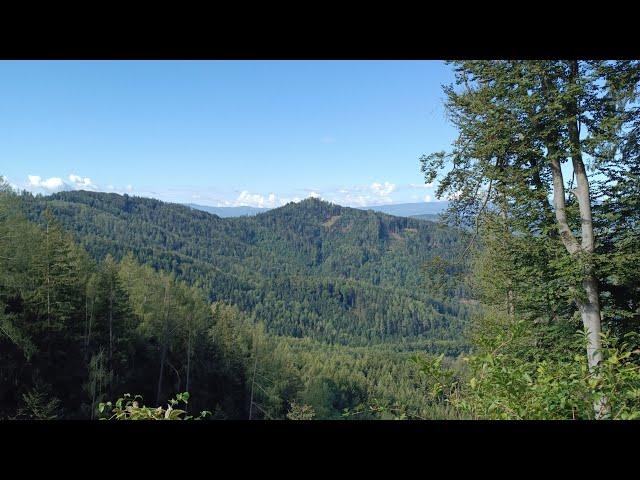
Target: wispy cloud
[256,200]
[271,200]
[362,195]
[38,184]
[53,184]
[383,189]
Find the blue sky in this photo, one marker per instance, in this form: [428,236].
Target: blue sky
[257,133]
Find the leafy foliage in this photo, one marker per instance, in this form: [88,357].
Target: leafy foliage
[129,408]
[301,412]
[512,378]
[539,265]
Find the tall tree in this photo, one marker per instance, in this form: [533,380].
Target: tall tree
[519,123]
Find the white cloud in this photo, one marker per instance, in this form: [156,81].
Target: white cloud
[256,200]
[80,183]
[37,184]
[383,190]
[361,201]
[248,199]
[359,195]
[52,184]
[376,193]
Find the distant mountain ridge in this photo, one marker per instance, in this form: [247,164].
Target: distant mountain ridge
[226,212]
[410,209]
[423,210]
[432,217]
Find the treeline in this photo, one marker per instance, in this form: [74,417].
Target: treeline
[310,269]
[75,332]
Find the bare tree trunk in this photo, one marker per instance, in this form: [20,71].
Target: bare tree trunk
[589,305]
[175,370]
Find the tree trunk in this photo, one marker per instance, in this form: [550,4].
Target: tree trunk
[590,305]
[590,311]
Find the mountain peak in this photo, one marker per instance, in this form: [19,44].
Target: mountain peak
[310,205]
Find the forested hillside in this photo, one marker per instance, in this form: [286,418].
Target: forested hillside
[523,303]
[78,331]
[308,311]
[308,269]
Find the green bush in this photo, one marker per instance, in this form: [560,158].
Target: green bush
[129,408]
[527,371]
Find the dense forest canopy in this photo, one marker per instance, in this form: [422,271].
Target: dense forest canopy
[311,306]
[308,269]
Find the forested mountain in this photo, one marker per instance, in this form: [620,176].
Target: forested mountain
[434,217]
[308,269]
[76,331]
